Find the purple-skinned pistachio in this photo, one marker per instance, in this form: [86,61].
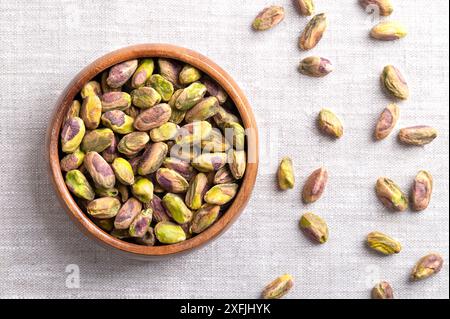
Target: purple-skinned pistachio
[237,161]
[140,225]
[382,290]
[123,192]
[387,121]
[224,116]
[143,72]
[104,207]
[315,185]
[314,227]
[170,70]
[153,117]
[72,161]
[278,288]
[91,111]
[313,31]
[104,85]
[183,168]
[390,194]
[120,73]
[197,189]
[190,96]
[208,162]
[133,143]
[382,7]
[72,134]
[315,66]
[171,181]
[204,218]
[118,121]
[215,142]
[427,266]
[110,153]
[193,133]
[421,191]
[127,213]
[100,171]
[145,97]
[91,88]
[97,140]
[159,211]
[115,101]
[203,110]
[148,239]
[223,176]
[417,135]
[213,89]
[152,158]
[268,18]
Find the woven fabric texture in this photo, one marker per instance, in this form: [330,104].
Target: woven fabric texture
[43,44]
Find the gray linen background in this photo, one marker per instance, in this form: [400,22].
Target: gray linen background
[43,44]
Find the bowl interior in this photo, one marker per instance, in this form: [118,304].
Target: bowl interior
[208,67]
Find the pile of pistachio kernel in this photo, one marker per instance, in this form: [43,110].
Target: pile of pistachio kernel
[154,152]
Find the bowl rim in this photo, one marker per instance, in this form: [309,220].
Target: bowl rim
[156,50]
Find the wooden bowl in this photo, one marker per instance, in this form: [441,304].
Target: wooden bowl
[140,51]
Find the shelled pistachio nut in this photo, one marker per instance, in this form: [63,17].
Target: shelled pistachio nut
[223,116]
[123,192]
[209,162]
[91,88]
[171,181]
[143,72]
[169,233]
[204,217]
[313,31]
[382,290]
[235,134]
[183,168]
[203,110]
[391,195]
[145,97]
[97,140]
[127,213]
[78,185]
[152,158]
[213,89]
[268,18]
[153,117]
[110,153]
[314,227]
[285,174]
[100,171]
[170,70]
[73,111]
[315,66]
[189,74]
[177,116]
[387,121]
[197,189]
[120,73]
[417,135]
[105,87]
[427,266]
[140,225]
[223,176]
[215,142]
[105,224]
[388,31]
[177,208]
[159,211]
[91,111]
[123,170]
[394,82]
[115,101]
[104,207]
[149,238]
[118,121]
[72,160]
[190,96]
[278,288]
[133,143]
[221,194]
[193,133]
[383,243]
[315,185]
[165,132]
[306,7]
[162,86]
[421,191]
[72,134]
[142,189]
[330,124]
[237,161]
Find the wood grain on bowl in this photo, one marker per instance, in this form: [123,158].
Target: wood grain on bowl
[134,52]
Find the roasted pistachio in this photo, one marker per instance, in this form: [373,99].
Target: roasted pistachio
[97,140]
[78,184]
[153,117]
[72,160]
[142,189]
[315,185]
[204,218]
[127,213]
[193,133]
[149,238]
[383,243]
[171,181]
[313,31]
[177,208]
[72,134]
[268,18]
[421,191]
[183,168]
[74,110]
[152,158]
[387,121]
[159,211]
[330,124]
[208,162]
[91,111]
[215,142]
[390,194]
[315,66]
[417,135]
[91,88]
[197,189]
[177,116]
[121,73]
[133,143]
[285,174]
[99,169]
[427,266]
[140,225]
[278,288]
[382,290]
[118,121]
[237,161]
[142,73]
[314,227]
[123,192]
[123,170]
[381,7]
[235,134]
[190,96]
[306,7]
[162,86]
[132,111]
[223,176]
[104,207]
[203,110]
[221,194]
[189,74]
[105,87]
[115,101]
[169,233]
[223,116]
[394,82]
[388,31]
[145,97]
[165,132]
